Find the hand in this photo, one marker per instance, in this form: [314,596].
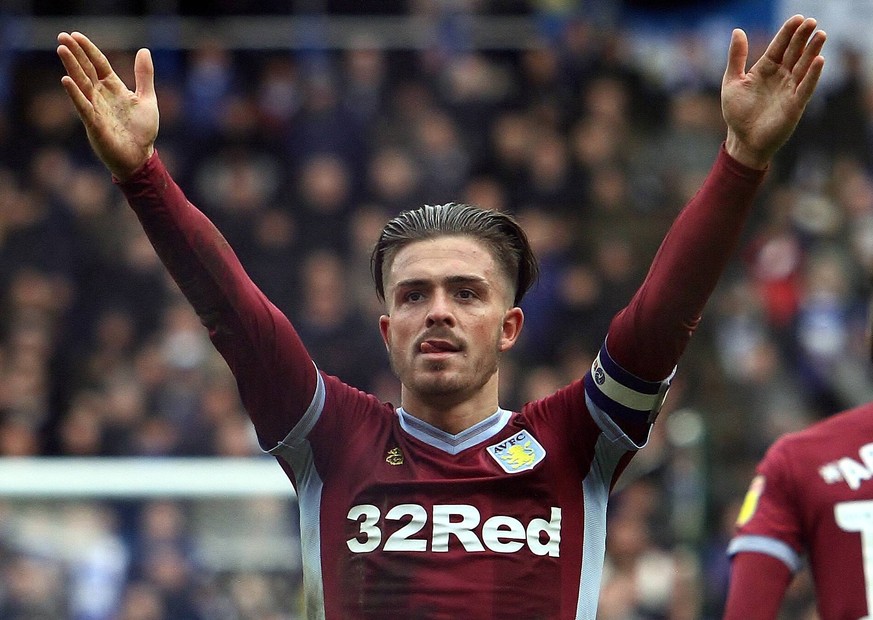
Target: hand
[122,125]
[762,107]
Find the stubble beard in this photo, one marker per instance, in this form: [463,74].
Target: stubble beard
[437,378]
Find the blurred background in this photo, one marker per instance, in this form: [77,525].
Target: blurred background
[300,127]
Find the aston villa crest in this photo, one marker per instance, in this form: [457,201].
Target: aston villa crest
[517,453]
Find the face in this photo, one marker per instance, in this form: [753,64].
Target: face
[450,317]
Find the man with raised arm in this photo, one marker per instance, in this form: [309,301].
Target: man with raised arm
[448,505]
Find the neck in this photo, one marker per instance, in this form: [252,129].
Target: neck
[452,413]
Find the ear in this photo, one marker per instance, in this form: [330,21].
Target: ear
[513,321]
[384,321]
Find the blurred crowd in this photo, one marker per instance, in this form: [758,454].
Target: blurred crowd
[593,140]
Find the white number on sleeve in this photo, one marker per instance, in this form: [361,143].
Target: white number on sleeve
[858,517]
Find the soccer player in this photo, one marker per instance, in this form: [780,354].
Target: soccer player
[449,506]
[811,498]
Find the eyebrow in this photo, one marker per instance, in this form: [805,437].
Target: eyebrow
[456,279]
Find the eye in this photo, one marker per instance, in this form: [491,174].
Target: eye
[413,296]
[466,293]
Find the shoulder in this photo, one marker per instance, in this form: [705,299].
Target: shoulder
[849,425]
[569,399]
[352,402]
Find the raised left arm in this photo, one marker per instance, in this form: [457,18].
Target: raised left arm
[761,108]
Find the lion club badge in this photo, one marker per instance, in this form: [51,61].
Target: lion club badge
[519,452]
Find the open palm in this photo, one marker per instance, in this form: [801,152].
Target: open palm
[763,106]
[122,125]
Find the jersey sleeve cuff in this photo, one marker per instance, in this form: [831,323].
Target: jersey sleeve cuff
[753,176]
[768,546]
[152,166]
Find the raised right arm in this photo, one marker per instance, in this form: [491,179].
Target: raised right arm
[275,374]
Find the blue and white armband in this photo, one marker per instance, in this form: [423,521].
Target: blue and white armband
[621,395]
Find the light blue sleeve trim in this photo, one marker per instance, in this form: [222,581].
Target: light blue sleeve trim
[310,488]
[595,491]
[769,546]
[296,450]
[611,430]
[306,423]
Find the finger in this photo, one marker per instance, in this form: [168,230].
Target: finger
[144,72]
[97,59]
[81,55]
[807,85]
[810,53]
[738,53]
[80,101]
[72,57]
[74,67]
[776,50]
[64,38]
[798,43]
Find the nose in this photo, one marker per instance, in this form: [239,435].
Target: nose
[440,310]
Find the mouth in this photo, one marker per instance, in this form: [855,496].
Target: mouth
[437,346]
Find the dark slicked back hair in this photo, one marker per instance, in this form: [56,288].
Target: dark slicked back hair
[500,232]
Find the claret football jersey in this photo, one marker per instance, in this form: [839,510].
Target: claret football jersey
[507,517]
[812,499]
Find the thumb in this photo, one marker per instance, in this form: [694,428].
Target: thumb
[144,72]
[738,53]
